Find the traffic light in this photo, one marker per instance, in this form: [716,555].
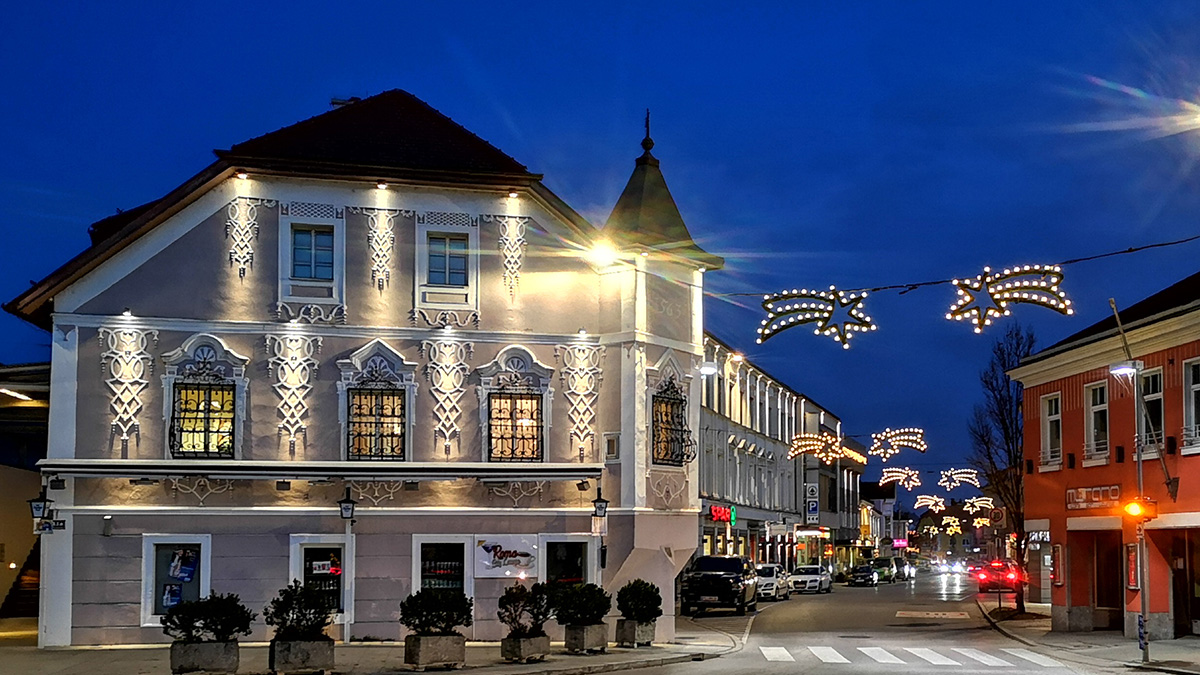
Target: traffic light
[1140,509]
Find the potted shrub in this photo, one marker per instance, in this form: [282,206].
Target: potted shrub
[640,604]
[525,611]
[432,614]
[581,609]
[300,615]
[205,633]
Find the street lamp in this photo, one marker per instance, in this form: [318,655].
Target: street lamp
[39,506]
[599,505]
[346,511]
[1132,368]
[346,506]
[600,524]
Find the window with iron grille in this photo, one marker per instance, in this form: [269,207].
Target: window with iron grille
[515,426]
[202,420]
[672,438]
[376,424]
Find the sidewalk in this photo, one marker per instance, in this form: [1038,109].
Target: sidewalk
[1099,648]
[692,643]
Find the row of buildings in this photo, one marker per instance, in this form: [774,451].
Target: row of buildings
[376,306]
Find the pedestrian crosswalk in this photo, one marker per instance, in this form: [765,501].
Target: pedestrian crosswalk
[952,656]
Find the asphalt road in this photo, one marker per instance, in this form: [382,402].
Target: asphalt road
[929,625]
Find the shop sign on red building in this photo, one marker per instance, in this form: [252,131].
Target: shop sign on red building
[1103,497]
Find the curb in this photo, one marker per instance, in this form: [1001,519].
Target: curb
[1153,667]
[1005,632]
[624,665]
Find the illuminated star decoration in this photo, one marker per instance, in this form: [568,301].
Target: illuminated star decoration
[952,478]
[976,504]
[905,477]
[983,522]
[824,446]
[892,441]
[787,309]
[988,295]
[934,502]
[932,529]
[952,525]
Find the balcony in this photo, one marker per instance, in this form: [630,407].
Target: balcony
[1051,459]
[1095,453]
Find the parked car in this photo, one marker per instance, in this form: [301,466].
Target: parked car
[864,575]
[886,569]
[810,578]
[720,581]
[773,582]
[904,571]
[1000,574]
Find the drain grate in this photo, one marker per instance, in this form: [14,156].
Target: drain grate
[855,637]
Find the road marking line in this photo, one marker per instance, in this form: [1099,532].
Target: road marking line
[881,655]
[1035,657]
[932,656]
[828,655]
[776,654]
[985,659]
[932,615]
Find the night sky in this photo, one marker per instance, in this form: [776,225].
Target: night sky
[853,144]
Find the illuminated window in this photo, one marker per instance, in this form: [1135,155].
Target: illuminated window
[202,420]
[312,253]
[447,260]
[514,425]
[1052,429]
[672,437]
[376,424]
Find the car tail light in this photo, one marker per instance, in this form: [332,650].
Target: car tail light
[982,576]
[1012,575]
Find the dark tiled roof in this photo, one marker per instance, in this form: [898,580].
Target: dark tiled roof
[646,214]
[103,229]
[391,130]
[1178,298]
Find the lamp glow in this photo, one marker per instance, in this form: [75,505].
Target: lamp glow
[603,254]
[1125,368]
[707,368]
[15,394]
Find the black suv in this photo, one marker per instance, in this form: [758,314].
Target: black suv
[720,581]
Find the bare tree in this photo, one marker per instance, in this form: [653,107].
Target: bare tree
[996,433]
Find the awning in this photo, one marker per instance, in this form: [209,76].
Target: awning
[278,470]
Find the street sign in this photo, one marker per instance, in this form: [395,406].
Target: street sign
[814,506]
[812,518]
[810,491]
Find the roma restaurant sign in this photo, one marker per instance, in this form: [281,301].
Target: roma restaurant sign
[1103,497]
[506,555]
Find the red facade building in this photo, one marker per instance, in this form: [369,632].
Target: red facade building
[1081,466]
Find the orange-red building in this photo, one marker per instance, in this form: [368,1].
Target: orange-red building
[1081,464]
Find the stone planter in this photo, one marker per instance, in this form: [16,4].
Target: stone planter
[287,656]
[592,638]
[423,651]
[632,634]
[210,657]
[525,649]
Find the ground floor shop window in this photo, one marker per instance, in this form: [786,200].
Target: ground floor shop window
[443,566]
[566,562]
[323,571]
[325,562]
[175,569]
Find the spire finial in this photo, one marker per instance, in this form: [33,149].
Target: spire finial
[647,142]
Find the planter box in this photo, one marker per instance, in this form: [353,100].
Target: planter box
[423,651]
[633,634]
[587,638]
[210,657]
[288,656]
[525,649]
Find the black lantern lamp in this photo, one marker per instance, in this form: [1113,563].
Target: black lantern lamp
[39,506]
[346,506]
[600,505]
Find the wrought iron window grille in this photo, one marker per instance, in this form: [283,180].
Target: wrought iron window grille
[515,424]
[203,415]
[376,421]
[671,435]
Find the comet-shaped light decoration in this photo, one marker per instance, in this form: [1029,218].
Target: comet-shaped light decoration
[891,441]
[933,502]
[839,314]
[903,476]
[952,478]
[977,504]
[989,295]
[824,446]
[983,522]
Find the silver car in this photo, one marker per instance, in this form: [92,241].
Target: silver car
[773,582]
[810,578]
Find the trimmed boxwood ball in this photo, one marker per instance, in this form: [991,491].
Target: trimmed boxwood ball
[217,618]
[639,601]
[436,611]
[525,610]
[299,614]
[581,605]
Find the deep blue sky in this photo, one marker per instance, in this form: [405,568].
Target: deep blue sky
[850,144]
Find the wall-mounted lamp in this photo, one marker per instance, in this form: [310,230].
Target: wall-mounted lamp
[599,505]
[737,358]
[583,485]
[346,506]
[645,254]
[126,312]
[708,368]
[12,565]
[381,185]
[39,506]
[108,526]
[242,175]
[512,194]
[603,253]
[283,485]
[582,332]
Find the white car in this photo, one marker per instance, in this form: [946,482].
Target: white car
[810,578]
[773,582]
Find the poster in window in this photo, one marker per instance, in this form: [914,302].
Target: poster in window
[323,572]
[183,564]
[1056,565]
[172,595]
[176,575]
[506,555]
[1132,571]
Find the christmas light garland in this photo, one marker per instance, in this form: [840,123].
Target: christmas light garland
[952,478]
[982,522]
[933,502]
[805,306]
[988,295]
[903,476]
[952,525]
[976,504]
[824,446]
[891,441]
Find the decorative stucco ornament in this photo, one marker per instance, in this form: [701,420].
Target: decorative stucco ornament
[314,313]
[128,365]
[241,229]
[581,377]
[200,487]
[512,244]
[447,373]
[444,319]
[518,490]
[381,239]
[668,486]
[293,362]
[376,491]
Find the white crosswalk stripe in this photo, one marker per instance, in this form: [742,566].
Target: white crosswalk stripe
[1033,657]
[985,659]
[881,655]
[777,654]
[828,655]
[932,656]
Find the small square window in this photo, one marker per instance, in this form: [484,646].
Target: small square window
[447,260]
[312,253]
[612,447]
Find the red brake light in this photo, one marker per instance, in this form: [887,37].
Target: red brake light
[997,563]
[1012,575]
[982,576]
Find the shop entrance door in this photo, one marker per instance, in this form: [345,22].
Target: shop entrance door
[1182,583]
